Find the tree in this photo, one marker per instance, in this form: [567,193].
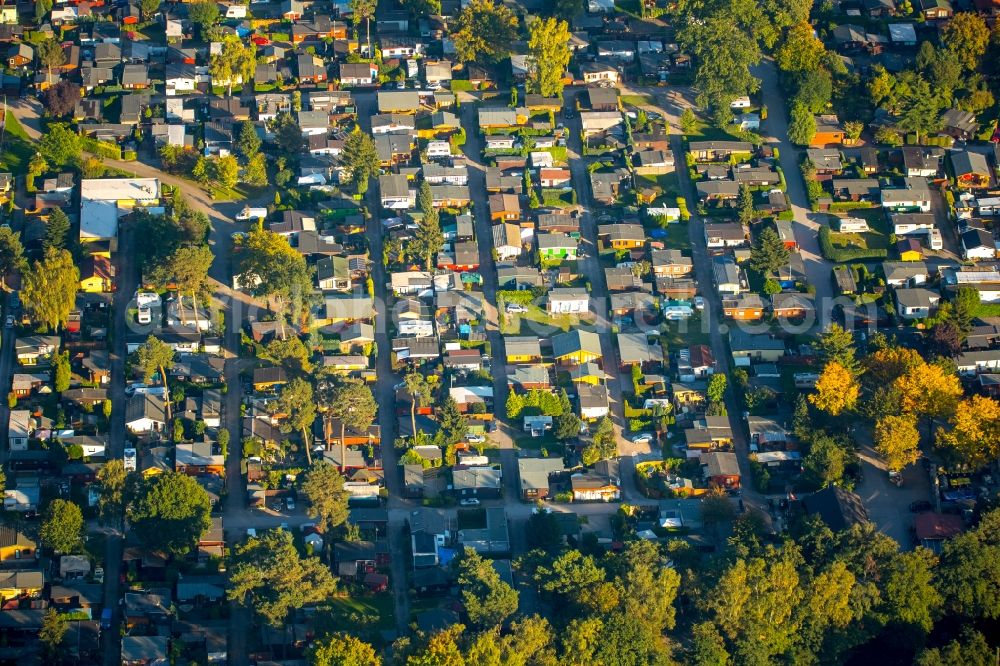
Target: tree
[291,353]
[487,599]
[604,444]
[420,394]
[929,391]
[61,98]
[967,36]
[364,10]
[968,574]
[802,127]
[61,372]
[288,136]
[897,440]
[189,266]
[853,130]
[825,463]
[50,54]
[296,403]
[351,402]
[11,253]
[754,603]
[768,253]
[170,513]
[836,344]
[42,9]
[689,122]
[255,172]
[59,145]
[53,632]
[724,51]
[269,573]
[49,289]
[484,32]
[813,90]
[716,390]
[203,14]
[324,487]
[744,205]
[548,46]
[946,339]
[452,424]
[155,356]
[971,650]
[248,142]
[56,230]
[974,436]
[427,239]
[801,51]
[62,527]
[276,270]
[836,390]
[149,8]
[111,476]
[922,109]
[361,159]
[235,62]
[342,649]
[909,590]
[708,648]
[227,171]
[567,424]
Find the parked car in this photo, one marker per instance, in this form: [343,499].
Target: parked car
[9,322]
[290,503]
[472,501]
[643,438]
[699,302]
[515,308]
[475,439]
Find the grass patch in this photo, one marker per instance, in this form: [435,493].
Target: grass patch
[667,183]
[557,198]
[683,333]
[705,132]
[377,605]
[539,318]
[636,100]
[17,148]
[678,236]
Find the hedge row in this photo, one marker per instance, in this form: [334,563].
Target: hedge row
[102,148]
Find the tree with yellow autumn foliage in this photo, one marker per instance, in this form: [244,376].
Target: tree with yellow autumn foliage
[929,391]
[888,364]
[975,431]
[897,440]
[836,390]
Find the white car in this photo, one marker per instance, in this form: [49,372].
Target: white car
[472,501]
[289,503]
[475,439]
[9,322]
[515,308]
[642,438]
[699,302]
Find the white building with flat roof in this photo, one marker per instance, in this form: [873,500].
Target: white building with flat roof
[104,200]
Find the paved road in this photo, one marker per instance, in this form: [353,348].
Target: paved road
[503,437]
[807,223]
[127,278]
[384,392]
[590,266]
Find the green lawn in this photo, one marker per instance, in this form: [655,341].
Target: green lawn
[17,148]
[557,198]
[541,322]
[375,605]
[706,132]
[677,334]
[678,237]
[637,100]
[667,183]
